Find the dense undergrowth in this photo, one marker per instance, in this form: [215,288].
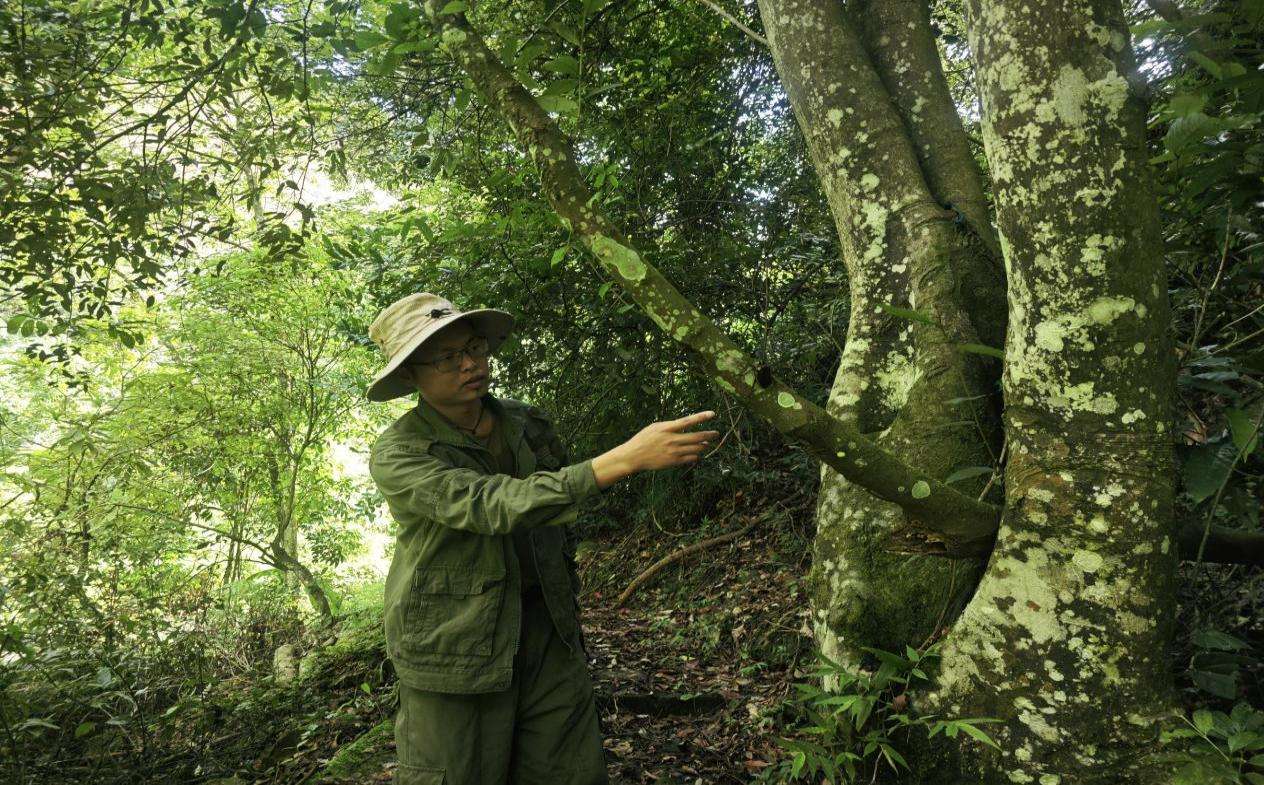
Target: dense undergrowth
[263,695]
[264,692]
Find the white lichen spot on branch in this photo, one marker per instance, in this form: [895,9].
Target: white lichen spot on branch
[614,254]
[787,401]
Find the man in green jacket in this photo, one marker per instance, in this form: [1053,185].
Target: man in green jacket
[481,613]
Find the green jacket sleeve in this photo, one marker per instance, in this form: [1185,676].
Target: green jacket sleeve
[418,485]
[570,536]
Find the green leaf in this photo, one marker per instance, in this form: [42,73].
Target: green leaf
[562,64]
[558,104]
[968,472]
[1206,468]
[1219,684]
[978,348]
[1149,28]
[1209,65]
[229,18]
[16,323]
[567,34]
[1193,773]
[257,23]
[561,87]
[84,728]
[1242,429]
[1186,104]
[1203,721]
[907,313]
[37,722]
[894,758]
[1215,639]
[887,657]
[530,53]
[799,760]
[978,735]
[455,7]
[1240,740]
[399,20]
[558,256]
[408,47]
[368,39]
[1189,130]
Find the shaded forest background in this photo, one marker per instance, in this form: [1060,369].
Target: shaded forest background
[202,207]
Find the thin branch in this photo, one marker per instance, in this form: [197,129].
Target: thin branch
[733,20]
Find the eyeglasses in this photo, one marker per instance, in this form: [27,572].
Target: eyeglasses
[449,362]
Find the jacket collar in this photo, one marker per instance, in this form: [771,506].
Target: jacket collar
[434,426]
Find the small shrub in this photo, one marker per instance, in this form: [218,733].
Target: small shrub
[1215,748]
[851,727]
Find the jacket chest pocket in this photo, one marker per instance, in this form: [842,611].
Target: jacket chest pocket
[452,611]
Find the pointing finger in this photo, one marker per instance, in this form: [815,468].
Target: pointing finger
[692,419]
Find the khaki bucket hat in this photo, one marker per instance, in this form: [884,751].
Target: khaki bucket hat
[404,325]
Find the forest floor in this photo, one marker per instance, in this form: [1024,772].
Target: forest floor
[647,675]
[692,677]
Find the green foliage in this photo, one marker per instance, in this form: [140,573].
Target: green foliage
[1217,748]
[850,727]
[139,125]
[1219,663]
[140,503]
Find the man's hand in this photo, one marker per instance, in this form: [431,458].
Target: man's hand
[659,445]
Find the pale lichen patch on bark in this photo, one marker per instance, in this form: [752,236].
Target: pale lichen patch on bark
[1079,580]
[622,259]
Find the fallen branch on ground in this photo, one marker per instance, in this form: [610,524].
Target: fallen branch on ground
[674,557]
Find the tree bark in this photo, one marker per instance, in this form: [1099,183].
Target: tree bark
[898,35]
[291,566]
[1066,637]
[903,381]
[284,545]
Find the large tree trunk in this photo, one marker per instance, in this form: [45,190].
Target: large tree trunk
[1067,635]
[904,381]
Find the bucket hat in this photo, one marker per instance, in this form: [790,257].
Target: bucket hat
[404,325]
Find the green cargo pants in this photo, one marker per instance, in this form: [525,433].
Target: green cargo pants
[541,731]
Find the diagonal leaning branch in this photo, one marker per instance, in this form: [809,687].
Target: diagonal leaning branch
[955,524]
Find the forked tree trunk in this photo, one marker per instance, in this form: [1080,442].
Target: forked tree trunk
[879,156]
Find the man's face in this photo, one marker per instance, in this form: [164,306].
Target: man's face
[466,383]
